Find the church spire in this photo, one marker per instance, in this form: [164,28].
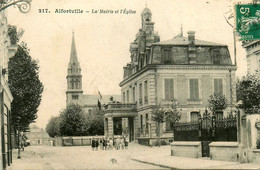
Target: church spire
[73,52]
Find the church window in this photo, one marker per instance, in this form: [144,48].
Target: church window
[75,97]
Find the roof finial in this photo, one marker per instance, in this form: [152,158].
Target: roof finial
[146,3]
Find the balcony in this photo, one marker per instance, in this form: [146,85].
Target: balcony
[121,110]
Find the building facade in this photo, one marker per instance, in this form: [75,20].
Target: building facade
[183,68]
[74,93]
[252,56]
[37,136]
[7,50]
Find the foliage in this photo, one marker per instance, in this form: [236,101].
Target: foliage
[161,114]
[173,115]
[248,90]
[53,127]
[72,121]
[95,122]
[217,102]
[25,87]
[12,32]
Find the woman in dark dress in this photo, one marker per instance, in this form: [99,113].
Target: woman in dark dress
[96,144]
[93,144]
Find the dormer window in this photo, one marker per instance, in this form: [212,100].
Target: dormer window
[216,59]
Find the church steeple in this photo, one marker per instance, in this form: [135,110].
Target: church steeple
[73,67]
[74,77]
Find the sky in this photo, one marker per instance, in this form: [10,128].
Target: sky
[103,40]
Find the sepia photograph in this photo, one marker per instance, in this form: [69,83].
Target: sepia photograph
[140,84]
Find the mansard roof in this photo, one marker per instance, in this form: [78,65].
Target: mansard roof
[180,40]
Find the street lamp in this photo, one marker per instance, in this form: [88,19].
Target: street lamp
[23,5]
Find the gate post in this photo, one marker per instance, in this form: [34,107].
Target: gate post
[213,127]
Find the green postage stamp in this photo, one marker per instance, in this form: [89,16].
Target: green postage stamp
[248,21]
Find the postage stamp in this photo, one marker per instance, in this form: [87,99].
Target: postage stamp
[248,21]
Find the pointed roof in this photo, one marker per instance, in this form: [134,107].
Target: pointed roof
[180,40]
[73,51]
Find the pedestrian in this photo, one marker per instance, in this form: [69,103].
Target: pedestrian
[122,143]
[96,144]
[101,143]
[104,142]
[111,143]
[126,142]
[93,144]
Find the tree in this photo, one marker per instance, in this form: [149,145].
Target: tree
[217,102]
[73,121]
[169,114]
[25,87]
[173,115]
[53,127]
[158,115]
[248,90]
[95,122]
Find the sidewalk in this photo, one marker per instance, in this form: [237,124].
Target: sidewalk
[165,160]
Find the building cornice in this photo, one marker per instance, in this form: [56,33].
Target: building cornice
[178,67]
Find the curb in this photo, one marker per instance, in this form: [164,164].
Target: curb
[155,164]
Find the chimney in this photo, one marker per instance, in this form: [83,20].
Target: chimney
[192,49]
[191,37]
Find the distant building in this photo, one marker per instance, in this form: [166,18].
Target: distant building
[184,68]
[74,93]
[7,50]
[37,136]
[252,56]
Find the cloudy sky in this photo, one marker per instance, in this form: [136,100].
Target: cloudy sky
[102,40]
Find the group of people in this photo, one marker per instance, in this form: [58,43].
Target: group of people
[110,143]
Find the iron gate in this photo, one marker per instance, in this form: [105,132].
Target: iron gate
[207,129]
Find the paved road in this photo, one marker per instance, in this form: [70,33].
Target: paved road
[82,157]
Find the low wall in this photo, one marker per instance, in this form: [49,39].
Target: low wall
[226,151]
[186,149]
[256,156]
[154,141]
[76,140]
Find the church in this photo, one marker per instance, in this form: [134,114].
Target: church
[74,93]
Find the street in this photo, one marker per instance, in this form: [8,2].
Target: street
[82,157]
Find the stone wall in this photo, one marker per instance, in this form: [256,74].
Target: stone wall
[186,149]
[225,151]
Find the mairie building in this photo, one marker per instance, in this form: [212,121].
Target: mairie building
[74,93]
[183,68]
